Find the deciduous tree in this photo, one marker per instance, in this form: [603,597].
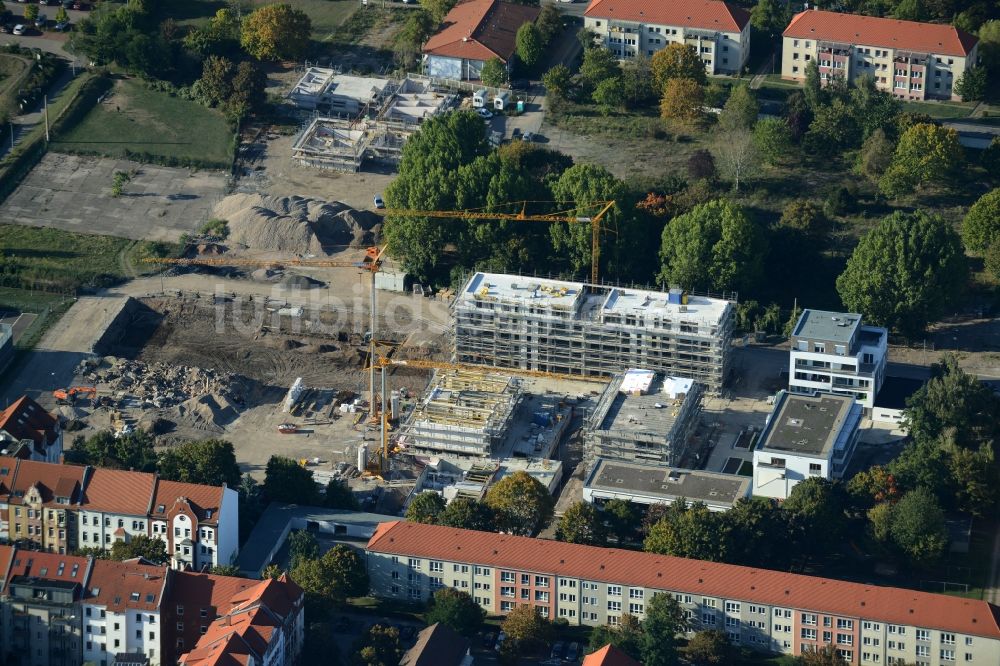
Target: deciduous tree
[610,95]
[626,636]
[338,574]
[817,506]
[981,226]
[664,622]
[772,139]
[133,451]
[581,523]
[302,545]
[378,646]
[211,462]
[710,647]
[954,405]
[438,9]
[701,165]
[457,610]
[917,527]
[904,272]
[530,44]
[622,519]
[689,531]
[737,156]
[682,100]
[493,73]
[338,495]
[467,514]
[677,61]
[582,184]
[148,548]
[549,22]
[285,480]
[714,246]
[557,82]
[740,110]
[804,215]
[411,37]
[276,32]
[598,65]
[875,155]
[521,503]
[770,16]
[925,153]
[526,628]
[425,507]
[972,84]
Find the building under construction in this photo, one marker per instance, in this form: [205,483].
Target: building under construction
[583,329]
[643,417]
[462,413]
[373,122]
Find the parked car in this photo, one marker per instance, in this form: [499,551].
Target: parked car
[81,6]
[516,134]
[45,2]
[500,639]
[529,136]
[573,651]
[557,650]
[19,29]
[485,113]
[62,25]
[67,4]
[41,21]
[379,203]
[5,28]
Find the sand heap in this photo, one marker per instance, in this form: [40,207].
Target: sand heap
[296,224]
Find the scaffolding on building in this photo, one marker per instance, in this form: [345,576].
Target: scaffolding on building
[584,329]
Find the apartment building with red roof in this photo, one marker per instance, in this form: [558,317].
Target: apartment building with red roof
[911,60]
[39,608]
[757,608]
[41,501]
[262,624]
[473,32]
[65,507]
[60,610]
[121,610]
[719,31]
[28,431]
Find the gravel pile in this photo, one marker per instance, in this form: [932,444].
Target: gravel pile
[298,225]
[159,385]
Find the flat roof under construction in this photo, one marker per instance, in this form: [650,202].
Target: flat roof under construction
[807,425]
[654,412]
[563,294]
[650,484]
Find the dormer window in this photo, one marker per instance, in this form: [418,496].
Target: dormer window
[134,596]
[160,508]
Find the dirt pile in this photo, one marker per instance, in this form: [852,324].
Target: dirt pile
[298,225]
[160,385]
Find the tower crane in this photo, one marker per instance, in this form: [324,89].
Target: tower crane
[571,216]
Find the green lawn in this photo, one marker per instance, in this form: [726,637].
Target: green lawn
[944,110]
[143,121]
[326,15]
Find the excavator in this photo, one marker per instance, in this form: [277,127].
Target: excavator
[69,396]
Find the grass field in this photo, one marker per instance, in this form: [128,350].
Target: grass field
[141,120]
[326,15]
[944,110]
[12,71]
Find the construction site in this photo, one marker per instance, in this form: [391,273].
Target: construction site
[591,330]
[359,119]
[644,417]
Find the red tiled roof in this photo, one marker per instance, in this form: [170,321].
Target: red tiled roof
[126,585]
[26,419]
[8,469]
[49,566]
[609,655]
[480,30]
[51,479]
[437,645]
[612,565]
[6,559]
[281,596]
[203,499]
[703,14]
[231,650]
[119,491]
[197,591]
[885,32]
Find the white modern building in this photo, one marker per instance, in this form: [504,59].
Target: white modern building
[654,484]
[834,352]
[718,31]
[805,436]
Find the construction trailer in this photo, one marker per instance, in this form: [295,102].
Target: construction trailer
[585,329]
[643,417]
[462,413]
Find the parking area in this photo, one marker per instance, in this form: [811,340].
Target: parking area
[73,193]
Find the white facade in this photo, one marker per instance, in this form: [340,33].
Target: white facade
[805,437]
[96,528]
[833,352]
[107,633]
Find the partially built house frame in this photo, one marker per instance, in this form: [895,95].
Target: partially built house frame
[464,413]
[582,329]
[377,130]
[643,417]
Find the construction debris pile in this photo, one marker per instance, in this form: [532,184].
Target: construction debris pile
[159,385]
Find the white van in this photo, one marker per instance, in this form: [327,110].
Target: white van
[501,100]
[479,99]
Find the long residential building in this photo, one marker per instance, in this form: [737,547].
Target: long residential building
[911,60]
[63,610]
[757,608]
[718,31]
[591,330]
[61,508]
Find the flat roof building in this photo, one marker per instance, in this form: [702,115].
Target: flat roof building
[910,60]
[591,330]
[329,92]
[644,417]
[835,352]
[649,484]
[805,436]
